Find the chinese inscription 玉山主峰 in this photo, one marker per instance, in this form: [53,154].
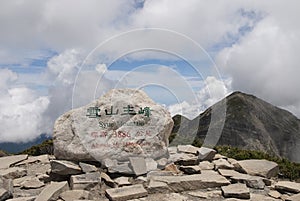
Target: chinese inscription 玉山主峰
[94,112]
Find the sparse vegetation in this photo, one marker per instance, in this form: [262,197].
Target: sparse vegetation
[44,148]
[287,168]
[3,153]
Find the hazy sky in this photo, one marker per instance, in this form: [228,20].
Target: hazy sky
[59,54]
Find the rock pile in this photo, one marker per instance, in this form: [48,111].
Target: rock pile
[188,174]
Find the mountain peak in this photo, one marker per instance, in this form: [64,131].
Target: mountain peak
[251,123]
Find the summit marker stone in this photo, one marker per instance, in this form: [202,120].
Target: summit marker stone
[121,124]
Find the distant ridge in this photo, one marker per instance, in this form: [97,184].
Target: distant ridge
[13,148]
[251,123]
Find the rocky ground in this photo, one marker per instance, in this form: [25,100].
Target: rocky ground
[188,174]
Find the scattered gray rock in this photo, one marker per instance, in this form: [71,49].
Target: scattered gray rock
[151,164]
[138,165]
[7,161]
[4,194]
[260,197]
[108,181]
[274,194]
[228,173]
[295,197]
[63,167]
[219,156]
[207,179]
[17,182]
[126,192]
[206,154]
[236,191]
[13,172]
[187,160]
[222,164]
[206,165]
[30,198]
[159,173]
[172,168]
[114,166]
[262,168]
[85,181]
[251,181]
[206,195]
[52,191]
[7,184]
[190,169]
[44,159]
[157,187]
[122,181]
[32,183]
[190,149]
[287,186]
[161,163]
[87,167]
[172,150]
[71,195]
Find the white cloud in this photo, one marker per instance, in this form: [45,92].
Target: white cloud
[265,62]
[7,76]
[213,90]
[21,111]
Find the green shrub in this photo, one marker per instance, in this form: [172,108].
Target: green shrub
[44,148]
[287,169]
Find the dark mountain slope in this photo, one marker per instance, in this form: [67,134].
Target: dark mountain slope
[250,123]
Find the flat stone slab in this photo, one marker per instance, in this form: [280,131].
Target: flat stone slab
[13,172]
[138,165]
[295,197]
[251,181]
[52,191]
[108,181]
[188,149]
[228,173]
[30,198]
[206,195]
[206,154]
[63,167]
[185,159]
[126,192]
[87,167]
[4,194]
[122,181]
[262,168]
[190,169]
[222,164]
[44,159]
[85,181]
[157,187]
[274,194]
[288,186]
[71,195]
[236,191]
[32,183]
[7,161]
[206,165]
[207,179]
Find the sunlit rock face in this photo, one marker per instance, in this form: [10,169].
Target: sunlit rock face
[121,124]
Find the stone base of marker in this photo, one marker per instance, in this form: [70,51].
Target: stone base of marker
[211,179]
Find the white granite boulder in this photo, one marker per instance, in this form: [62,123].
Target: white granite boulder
[121,124]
